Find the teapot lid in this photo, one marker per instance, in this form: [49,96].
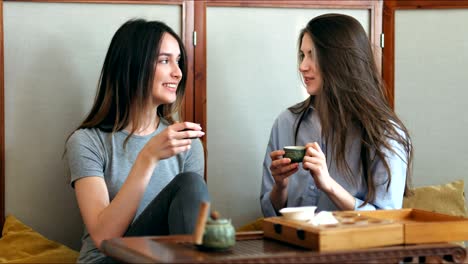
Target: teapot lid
[215,219]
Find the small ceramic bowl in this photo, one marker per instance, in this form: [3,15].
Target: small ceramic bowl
[302,213]
[295,153]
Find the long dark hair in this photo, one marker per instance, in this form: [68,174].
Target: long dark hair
[125,84]
[353,95]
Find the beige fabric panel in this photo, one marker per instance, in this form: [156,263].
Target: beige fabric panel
[53,57]
[431,80]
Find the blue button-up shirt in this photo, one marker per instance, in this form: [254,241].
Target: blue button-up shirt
[302,190]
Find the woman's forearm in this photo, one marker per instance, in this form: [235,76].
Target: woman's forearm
[341,197]
[114,219]
[278,197]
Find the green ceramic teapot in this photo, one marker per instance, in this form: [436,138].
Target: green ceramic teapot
[219,233]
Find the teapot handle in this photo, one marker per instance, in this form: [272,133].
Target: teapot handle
[201,221]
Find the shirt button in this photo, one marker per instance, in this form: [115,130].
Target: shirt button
[312,187]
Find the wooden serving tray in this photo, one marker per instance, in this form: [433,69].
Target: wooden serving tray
[353,231]
[365,229]
[425,227]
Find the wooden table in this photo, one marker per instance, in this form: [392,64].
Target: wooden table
[253,247]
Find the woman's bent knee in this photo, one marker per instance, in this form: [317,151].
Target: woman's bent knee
[189,178]
[192,181]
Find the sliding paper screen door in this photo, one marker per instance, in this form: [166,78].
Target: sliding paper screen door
[53,57]
[431,87]
[252,76]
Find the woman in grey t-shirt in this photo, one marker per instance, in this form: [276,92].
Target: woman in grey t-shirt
[135,170]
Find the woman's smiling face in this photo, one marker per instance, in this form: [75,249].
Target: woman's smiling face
[168,73]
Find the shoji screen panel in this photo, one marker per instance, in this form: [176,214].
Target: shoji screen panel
[251,77]
[431,80]
[53,57]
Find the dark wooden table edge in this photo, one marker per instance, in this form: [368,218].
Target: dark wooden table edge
[118,251]
[115,248]
[447,251]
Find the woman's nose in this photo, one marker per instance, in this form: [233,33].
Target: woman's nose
[176,72]
[303,66]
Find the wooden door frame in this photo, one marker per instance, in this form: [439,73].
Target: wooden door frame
[389,8]
[2,123]
[187,29]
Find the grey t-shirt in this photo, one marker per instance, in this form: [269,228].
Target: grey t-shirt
[92,152]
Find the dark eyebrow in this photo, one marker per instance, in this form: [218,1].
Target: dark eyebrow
[167,54]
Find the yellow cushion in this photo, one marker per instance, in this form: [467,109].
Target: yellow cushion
[21,244]
[445,198]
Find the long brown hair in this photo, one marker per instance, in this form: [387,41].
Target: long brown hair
[125,84]
[353,95]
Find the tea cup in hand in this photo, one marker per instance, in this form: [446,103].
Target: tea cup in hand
[295,153]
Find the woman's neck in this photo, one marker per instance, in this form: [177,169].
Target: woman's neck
[147,126]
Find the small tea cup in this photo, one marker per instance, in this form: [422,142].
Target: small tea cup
[295,153]
[302,213]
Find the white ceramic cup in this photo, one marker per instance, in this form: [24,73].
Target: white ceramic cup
[303,213]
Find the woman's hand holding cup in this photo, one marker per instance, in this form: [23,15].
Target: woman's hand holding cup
[315,162]
[281,168]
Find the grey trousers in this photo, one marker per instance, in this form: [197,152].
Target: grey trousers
[173,211]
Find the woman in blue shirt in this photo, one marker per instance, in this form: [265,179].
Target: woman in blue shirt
[358,152]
